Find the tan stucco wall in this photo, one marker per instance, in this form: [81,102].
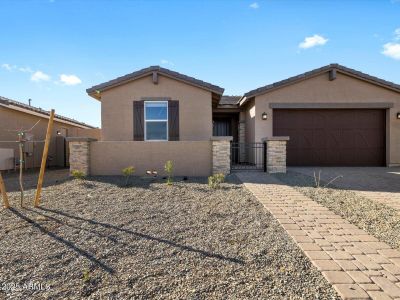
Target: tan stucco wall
[250,110]
[195,113]
[344,89]
[190,158]
[94,133]
[12,120]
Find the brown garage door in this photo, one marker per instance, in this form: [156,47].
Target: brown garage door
[332,137]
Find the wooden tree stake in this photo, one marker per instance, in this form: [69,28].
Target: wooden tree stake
[44,159]
[4,193]
[21,167]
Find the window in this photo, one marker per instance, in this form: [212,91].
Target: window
[156,120]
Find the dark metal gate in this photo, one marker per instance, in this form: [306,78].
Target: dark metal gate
[248,156]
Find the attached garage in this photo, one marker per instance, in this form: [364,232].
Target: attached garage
[332,137]
[333,116]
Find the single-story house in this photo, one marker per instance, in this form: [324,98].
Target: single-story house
[15,115]
[331,116]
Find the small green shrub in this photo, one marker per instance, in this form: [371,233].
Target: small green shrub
[169,168]
[86,276]
[127,172]
[77,174]
[215,181]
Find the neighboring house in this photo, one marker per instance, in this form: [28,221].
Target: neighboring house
[15,115]
[333,115]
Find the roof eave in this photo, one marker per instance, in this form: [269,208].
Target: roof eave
[316,72]
[97,89]
[19,106]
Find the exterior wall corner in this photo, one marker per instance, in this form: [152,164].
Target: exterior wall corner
[276,154]
[221,154]
[79,159]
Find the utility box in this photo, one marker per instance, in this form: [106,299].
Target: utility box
[7,159]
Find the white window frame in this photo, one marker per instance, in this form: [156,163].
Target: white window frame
[145,121]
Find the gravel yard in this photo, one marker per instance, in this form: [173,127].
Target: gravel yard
[379,220]
[99,239]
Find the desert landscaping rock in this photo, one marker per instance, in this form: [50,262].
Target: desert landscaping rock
[99,239]
[381,221]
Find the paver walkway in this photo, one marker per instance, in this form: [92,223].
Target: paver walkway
[354,262]
[375,183]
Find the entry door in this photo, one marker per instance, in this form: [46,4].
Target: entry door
[332,137]
[222,127]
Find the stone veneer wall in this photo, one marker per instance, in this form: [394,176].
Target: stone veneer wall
[242,141]
[276,154]
[221,154]
[79,154]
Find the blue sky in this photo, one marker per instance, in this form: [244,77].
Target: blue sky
[52,50]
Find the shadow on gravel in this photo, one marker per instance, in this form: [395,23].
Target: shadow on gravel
[148,237]
[47,216]
[64,241]
[374,179]
[53,176]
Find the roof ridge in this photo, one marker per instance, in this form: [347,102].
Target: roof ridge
[144,71]
[304,75]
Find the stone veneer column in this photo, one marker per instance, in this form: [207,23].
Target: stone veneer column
[276,154]
[221,154]
[79,154]
[242,141]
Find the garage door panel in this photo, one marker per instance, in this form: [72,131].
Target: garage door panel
[280,122]
[371,137]
[333,138]
[346,137]
[363,119]
[318,139]
[338,121]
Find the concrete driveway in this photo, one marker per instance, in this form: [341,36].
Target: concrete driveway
[376,183]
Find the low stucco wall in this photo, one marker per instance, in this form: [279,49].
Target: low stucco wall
[190,158]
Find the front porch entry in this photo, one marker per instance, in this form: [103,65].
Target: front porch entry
[244,155]
[248,156]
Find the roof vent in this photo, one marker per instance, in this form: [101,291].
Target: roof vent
[332,74]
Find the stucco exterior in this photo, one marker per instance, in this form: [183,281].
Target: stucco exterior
[195,108]
[319,89]
[329,87]
[190,158]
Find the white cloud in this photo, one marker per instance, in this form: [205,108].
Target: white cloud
[167,62]
[70,79]
[254,5]
[40,76]
[397,34]
[392,50]
[312,41]
[8,67]
[25,70]
[11,68]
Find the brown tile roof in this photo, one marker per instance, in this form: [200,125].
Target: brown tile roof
[229,100]
[314,72]
[11,103]
[143,72]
